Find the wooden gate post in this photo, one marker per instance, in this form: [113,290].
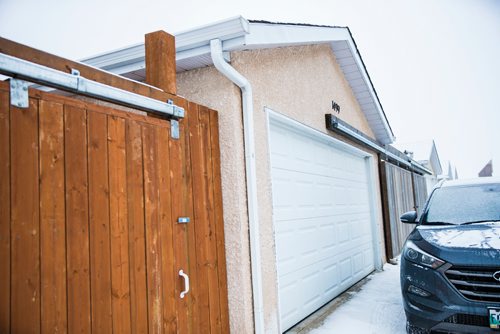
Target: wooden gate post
[160,61]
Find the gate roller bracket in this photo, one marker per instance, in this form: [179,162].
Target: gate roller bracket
[19,93]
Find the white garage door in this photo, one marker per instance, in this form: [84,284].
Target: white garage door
[322,217]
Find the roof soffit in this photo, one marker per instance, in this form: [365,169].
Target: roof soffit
[237,33]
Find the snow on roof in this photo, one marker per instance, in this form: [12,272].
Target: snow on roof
[238,33]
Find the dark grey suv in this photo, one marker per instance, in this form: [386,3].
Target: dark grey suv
[450,264]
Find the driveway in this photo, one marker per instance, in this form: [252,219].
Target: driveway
[372,306]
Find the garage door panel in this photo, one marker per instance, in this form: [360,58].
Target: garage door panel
[322,220]
[305,239]
[326,280]
[303,194]
[296,152]
[302,257]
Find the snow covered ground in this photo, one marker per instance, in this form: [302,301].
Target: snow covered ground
[377,308]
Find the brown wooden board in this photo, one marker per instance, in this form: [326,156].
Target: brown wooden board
[153,253]
[120,284]
[180,231]
[206,235]
[52,218]
[100,259]
[211,240]
[25,229]
[200,220]
[77,220]
[137,243]
[219,220]
[188,210]
[169,275]
[385,209]
[4,212]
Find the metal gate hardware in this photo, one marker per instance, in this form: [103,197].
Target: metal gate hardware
[174,129]
[177,111]
[46,76]
[186,283]
[174,124]
[183,220]
[19,93]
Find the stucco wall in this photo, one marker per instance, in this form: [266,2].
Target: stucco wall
[208,87]
[299,82]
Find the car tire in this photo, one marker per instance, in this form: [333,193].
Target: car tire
[412,329]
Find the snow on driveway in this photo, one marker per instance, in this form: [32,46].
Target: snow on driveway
[377,308]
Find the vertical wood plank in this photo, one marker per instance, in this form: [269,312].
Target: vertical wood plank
[25,229]
[52,218]
[160,61]
[137,243]
[178,182]
[212,265]
[385,207]
[169,275]
[4,211]
[219,220]
[188,209]
[77,228]
[201,224]
[119,225]
[153,253]
[100,263]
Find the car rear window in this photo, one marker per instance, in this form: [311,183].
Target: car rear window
[464,204]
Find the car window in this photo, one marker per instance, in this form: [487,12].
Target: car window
[464,204]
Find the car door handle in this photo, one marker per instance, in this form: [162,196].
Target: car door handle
[186,283]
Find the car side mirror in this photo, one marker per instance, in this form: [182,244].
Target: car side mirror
[409,217]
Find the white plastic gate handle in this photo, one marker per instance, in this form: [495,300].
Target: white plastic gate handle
[186,283]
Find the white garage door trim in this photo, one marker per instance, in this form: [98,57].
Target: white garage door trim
[276,119]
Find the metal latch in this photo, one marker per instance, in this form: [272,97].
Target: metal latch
[183,220]
[19,93]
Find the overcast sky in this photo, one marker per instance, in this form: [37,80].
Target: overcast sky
[434,63]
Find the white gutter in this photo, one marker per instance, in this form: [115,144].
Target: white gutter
[253,213]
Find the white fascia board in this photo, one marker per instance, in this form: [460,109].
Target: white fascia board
[267,35]
[388,138]
[188,44]
[238,34]
[121,57]
[201,36]
[196,52]
[124,69]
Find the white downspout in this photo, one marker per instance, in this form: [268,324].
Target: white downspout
[253,214]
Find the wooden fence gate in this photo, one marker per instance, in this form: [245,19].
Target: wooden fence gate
[402,191]
[90,200]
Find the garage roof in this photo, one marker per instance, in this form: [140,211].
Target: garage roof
[193,51]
